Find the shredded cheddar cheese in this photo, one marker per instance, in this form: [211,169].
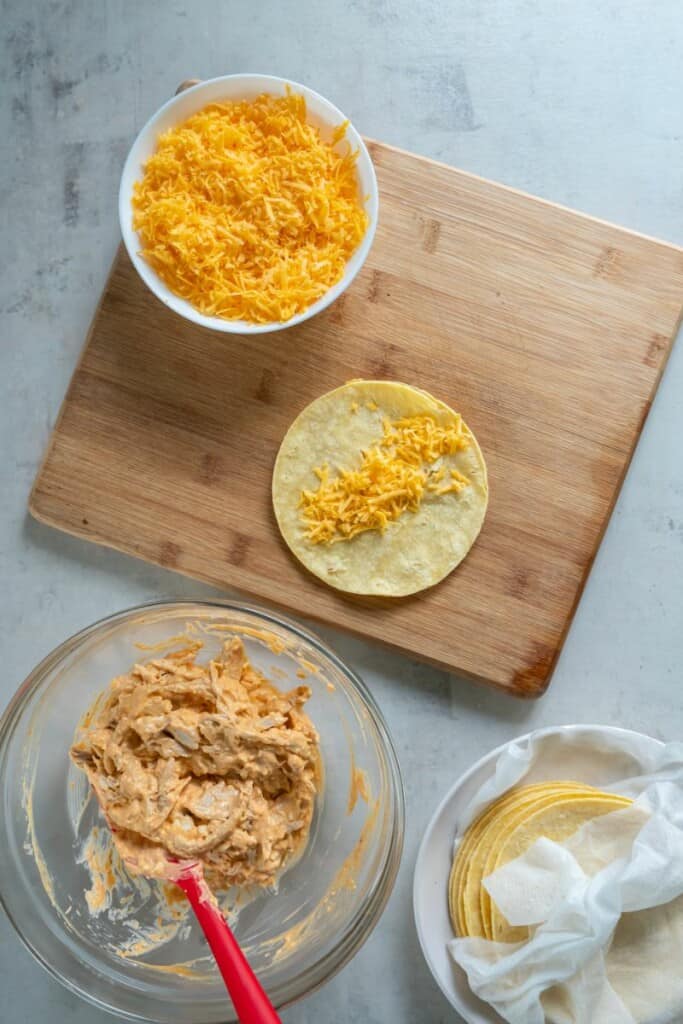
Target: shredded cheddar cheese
[245,212]
[394,476]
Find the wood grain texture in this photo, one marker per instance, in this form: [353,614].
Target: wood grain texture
[546,329]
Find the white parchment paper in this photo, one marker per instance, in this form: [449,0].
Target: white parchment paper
[608,903]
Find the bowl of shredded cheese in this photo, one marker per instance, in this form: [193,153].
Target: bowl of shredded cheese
[248,203]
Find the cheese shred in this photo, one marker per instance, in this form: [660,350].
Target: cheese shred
[245,212]
[394,476]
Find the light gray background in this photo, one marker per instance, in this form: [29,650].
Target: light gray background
[579,102]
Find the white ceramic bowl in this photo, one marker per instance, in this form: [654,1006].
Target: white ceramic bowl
[321,113]
[435,856]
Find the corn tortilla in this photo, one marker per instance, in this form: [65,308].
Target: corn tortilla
[507,825]
[503,832]
[465,862]
[556,822]
[417,549]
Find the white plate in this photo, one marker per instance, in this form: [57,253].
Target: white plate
[433,865]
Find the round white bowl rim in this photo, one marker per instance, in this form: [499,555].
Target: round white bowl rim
[567,730]
[183,308]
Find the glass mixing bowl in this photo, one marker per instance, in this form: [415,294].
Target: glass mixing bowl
[326,904]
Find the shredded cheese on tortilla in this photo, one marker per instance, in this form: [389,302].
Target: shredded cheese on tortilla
[245,212]
[393,477]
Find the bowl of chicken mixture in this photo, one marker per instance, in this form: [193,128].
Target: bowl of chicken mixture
[211,733]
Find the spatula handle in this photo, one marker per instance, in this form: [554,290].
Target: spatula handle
[250,1001]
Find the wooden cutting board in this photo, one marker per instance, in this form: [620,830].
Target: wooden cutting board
[546,329]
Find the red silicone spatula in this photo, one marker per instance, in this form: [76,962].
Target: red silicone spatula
[250,1001]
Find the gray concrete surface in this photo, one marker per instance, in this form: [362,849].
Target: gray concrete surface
[578,102]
